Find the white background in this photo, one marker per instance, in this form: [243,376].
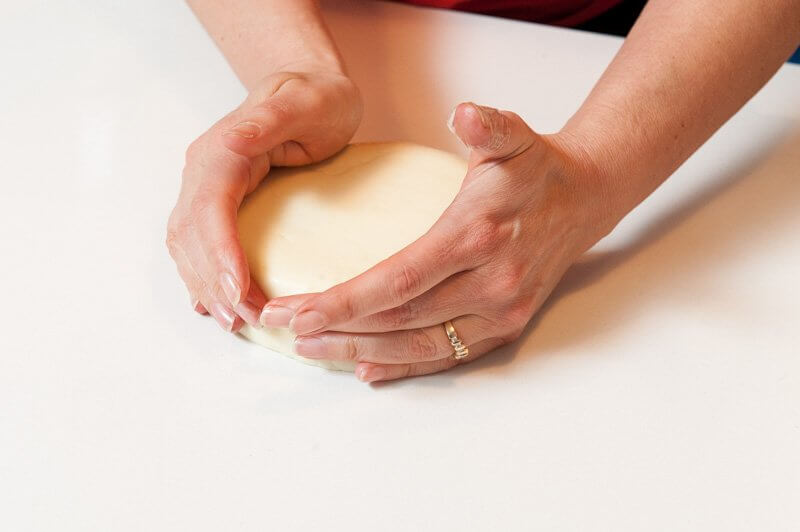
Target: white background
[659,388]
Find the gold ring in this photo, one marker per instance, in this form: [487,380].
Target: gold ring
[461,351]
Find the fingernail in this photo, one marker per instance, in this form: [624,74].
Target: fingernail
[307,322]
[231,288]
[198,307]
[451,125]
[309,347]
[224,316]
[276,316]
[246,130]
[249,313]
[371,374]
[451,121]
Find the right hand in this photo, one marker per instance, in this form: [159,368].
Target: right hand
[289,119]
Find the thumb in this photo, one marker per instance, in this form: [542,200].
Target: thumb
[256,130]
[489,133]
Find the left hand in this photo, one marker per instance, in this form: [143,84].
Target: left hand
[528,207]
[290,118]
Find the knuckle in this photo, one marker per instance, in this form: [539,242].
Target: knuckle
[509,280]
[315,100]
[409,370]
[500,127]
[194,150]
[172,242]
[405,283]
[396,317]
[421,345]
[277,110]
[490,232]
[353,350]
[174,236]
[483,237]
[345,306]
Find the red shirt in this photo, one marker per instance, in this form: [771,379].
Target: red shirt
[557,12]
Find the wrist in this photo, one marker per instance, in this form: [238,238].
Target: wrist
[594,177]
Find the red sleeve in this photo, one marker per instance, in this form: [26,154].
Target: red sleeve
[557,12]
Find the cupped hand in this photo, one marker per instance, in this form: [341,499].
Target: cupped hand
[289,119]
[528,207]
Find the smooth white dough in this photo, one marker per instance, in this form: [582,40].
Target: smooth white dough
[306,229]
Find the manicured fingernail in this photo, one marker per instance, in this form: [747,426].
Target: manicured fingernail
[276,316]
[307,322]
[224,316]
[231,288]
[249,313]
[246,130]
[309,347]
[371,374]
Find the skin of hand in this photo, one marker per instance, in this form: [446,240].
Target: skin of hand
[526,210]
[289,118]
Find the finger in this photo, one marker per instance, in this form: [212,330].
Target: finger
[251,307]
[459,294]
[187,253]
[490,134]
[202,297]
[369,372]
[222,314]
[213,246]
[456,295]
[394,347]
[217,184]
[272,121]
[191,280]
[203,301]
[280,310]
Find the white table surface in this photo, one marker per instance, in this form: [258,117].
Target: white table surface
[658,390]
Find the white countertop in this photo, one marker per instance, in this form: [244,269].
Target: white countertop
[659,389]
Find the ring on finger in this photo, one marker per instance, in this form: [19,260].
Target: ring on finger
[460,350]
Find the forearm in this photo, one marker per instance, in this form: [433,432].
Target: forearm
[260,37]
[686,67]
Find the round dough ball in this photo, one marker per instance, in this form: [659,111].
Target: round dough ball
[306,229]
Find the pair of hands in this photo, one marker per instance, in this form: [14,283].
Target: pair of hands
[528,207]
